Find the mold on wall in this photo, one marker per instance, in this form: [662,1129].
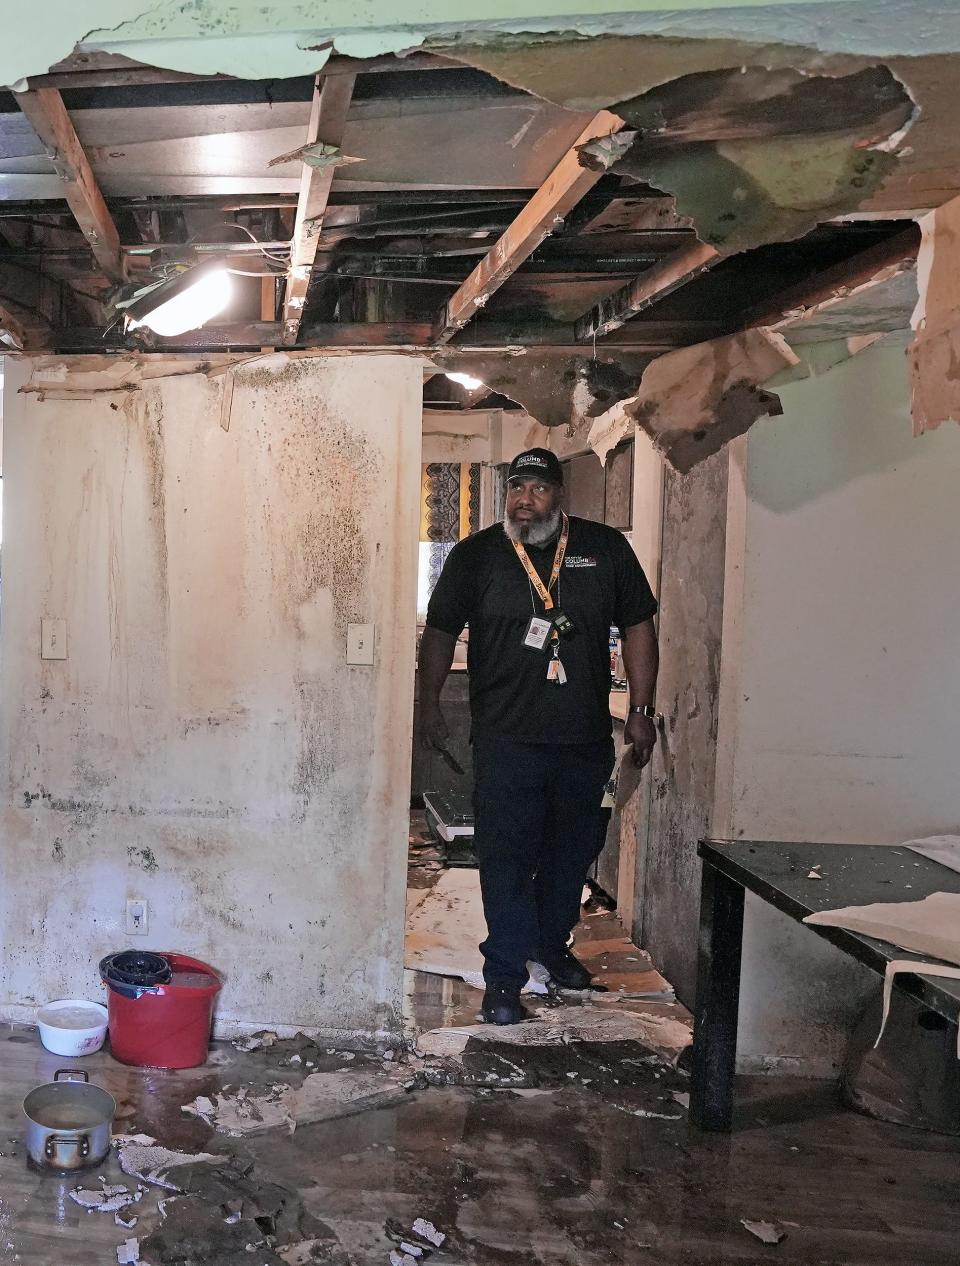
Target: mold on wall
[682,770]
[205,747]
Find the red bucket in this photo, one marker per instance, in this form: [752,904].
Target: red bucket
[162,1025]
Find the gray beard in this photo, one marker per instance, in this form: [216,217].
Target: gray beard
[533,533]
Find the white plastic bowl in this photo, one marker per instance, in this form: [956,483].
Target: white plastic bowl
[69,1036]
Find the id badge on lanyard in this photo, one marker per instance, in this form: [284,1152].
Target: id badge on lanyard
[547,628]
[537,633]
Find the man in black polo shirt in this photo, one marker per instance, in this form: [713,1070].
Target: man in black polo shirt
[539,592]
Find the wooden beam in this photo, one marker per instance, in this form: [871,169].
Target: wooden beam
[543,215]
[48,117]
[656,283]
[830,285]
[546,338]
[328,114]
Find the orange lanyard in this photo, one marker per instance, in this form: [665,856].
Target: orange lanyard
[534,577]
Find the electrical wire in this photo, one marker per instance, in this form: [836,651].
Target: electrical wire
[232,224]
[243,272]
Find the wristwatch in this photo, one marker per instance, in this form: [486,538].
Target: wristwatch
[646,711]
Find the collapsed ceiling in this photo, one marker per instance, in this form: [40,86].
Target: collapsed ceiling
[548,215]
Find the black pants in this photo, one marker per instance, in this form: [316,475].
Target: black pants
[538,828]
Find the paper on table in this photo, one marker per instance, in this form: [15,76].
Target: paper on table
[944,849]
[930,926]
[898,965]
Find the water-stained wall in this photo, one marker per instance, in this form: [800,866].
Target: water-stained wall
[684,761]
[205,746]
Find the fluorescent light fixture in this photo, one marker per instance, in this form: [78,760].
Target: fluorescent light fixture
[184,302]
[466,380]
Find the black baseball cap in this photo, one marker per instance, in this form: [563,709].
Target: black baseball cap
[537,463]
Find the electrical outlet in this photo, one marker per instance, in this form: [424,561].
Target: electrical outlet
[138,920]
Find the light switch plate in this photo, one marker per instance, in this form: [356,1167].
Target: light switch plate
[360,639]
[53,639]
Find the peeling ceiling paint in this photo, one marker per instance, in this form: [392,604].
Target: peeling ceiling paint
[556,389]
[241,37]
[694,400]
[755,156]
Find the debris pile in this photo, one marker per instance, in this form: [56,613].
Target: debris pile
[416,1245]
[246,1111]
[322,1096]
[220,1213]
[109,1198]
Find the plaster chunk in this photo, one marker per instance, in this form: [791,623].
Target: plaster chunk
[153,1163]
[694,400]
[246,1111]
[324,1096]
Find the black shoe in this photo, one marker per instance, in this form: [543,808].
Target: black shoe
[566,971]
[501,1005]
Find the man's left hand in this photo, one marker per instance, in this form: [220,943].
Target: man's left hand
[642,733]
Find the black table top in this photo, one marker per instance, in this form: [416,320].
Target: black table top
[853,875]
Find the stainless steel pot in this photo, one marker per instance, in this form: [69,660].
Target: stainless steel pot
[68,1122]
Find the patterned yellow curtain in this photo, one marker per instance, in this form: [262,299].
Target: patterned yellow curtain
[449,501]
[449,510]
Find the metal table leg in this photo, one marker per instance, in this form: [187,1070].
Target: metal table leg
[718,1000]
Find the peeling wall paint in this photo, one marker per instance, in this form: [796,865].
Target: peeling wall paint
[683,766]
[204,746]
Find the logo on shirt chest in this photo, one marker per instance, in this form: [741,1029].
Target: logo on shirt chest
[580,560]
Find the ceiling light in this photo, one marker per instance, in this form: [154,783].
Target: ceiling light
[183,302]
[466,380]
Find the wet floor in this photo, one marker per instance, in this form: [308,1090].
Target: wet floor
[582,1155]
[596,1165]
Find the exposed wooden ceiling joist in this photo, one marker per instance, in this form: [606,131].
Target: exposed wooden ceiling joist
[656,283]
[504,337]
[328,115]
[48,117]
[832,284]
[543,215]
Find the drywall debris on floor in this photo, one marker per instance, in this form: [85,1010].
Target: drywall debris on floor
[110,1198]
[250,1110]
[128,1253]
[142,1157]
[766,1232]
[563,1025]
[694,400]
[415,1245]
[246,1110]
[324,1096]
[256,1041]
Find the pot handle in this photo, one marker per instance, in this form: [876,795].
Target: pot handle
[53,1141]
[71,1073]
